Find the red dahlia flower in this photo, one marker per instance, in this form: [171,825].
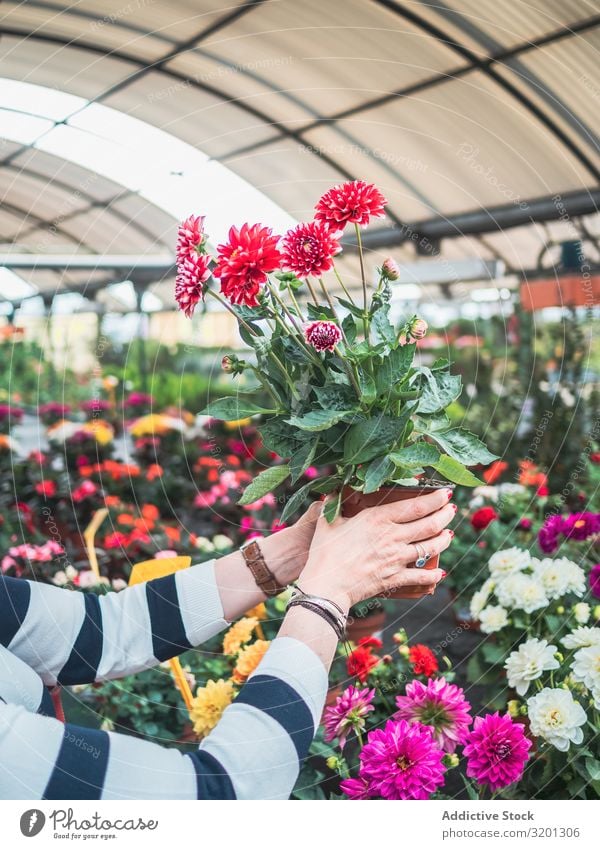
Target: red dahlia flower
[46,488]
[192,274]
[483,517]
[190,238]
[423,660]
[308,249]
[322,335]
[360,662]
[244,262]
[355,202]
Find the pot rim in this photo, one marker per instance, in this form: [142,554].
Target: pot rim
[427,485]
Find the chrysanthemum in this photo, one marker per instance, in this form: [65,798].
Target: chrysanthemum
[348,713]
[528,662]
[586,669]
[308,249]
[440,705]
[524,592]
[554,579]
[557,717]
[192,274]
[322,335]
[355,202]
[496,751]
[248,659]
[190,238]
[574,576]
[209,704]
[244,262]
[423,660]
[480,598]
[581,637]
[239,633]
[508,561]
[402,761]
[492,618]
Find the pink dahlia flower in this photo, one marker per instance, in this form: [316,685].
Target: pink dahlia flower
[355,202]
[594,580]
[190,238]
[244,262]
[496,751]
[348,713]
[580,526]
[356,788]
[308,249]
[441,706]
[192,274]
[322,335]
[402,761]
[549,533]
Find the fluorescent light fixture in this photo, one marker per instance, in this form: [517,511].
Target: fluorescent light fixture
[13,287]
[482,295]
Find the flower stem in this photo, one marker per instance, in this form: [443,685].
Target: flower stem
[364,281]
[341,282]
[313,294]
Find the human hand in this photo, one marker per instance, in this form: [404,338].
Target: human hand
[286,551]
[372,553]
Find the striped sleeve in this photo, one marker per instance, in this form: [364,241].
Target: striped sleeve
[255,752]
[76,638]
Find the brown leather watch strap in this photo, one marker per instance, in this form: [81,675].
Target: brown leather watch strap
[261,573]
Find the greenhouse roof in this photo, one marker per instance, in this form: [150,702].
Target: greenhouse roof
[473,116]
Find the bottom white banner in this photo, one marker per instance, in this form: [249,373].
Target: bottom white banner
[265,824]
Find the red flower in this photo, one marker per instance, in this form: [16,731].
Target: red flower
[308,249]
[355,202]
[370,642]
[115,540]
[360,662]
[423,660]
[46,488]
[244,262]
[322,335]
[483,517]
[192,274]
[542,491]
[84,490]
[495,471]
[190,238]
[595,457]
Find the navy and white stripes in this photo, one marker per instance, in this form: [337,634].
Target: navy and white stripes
[49,635]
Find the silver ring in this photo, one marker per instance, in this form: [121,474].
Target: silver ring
[423,556]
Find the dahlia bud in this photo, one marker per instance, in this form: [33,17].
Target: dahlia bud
[560,610]
[322,335]
[227,364]
[450,761]
[390,269]
[232,364]
[332,762]
[597,611]
[581,611]
[559,656]
[417,328]
[387,659]
[513,708]
[400,636]
[404,651]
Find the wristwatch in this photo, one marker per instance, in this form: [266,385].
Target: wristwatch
[265,579]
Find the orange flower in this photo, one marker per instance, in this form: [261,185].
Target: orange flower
[212,476]
[495,471]
[248,660]
[144,525]
[86,471]
[154,471]
[530,475]
[112,500]
[125,519]
[150,511]
[172,534]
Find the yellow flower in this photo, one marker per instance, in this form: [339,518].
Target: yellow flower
[237,423]
[209,704]
[100,430]
[154,424]
[260,611]
[238,634]
[248,660]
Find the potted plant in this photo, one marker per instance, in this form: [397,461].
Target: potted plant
[344,384]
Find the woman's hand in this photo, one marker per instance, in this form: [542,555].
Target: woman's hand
[286,551]
[371,553]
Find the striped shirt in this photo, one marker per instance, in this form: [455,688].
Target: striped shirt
[50,635]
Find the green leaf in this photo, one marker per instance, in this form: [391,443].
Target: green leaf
[352,308]
[384,329]
[319,313]
[349,328]
[317,420]
[471,792]
[278,437]
[378,471]
[301,459]
[593,768]
[332,507]
[295,501]
[233,408]
[463,446]
[455,471]
[335,396]
[264,483]
[417,454]
[394,367]
[439,390]
[370,438]
[368,390]
[326,485]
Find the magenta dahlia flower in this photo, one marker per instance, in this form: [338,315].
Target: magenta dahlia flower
[580,526]
[594,580]
[348,713]
[192,274]
[322,335]
[355,202]
[356,788]
[441,706]
[402,761]
[190,238]
[308,249]
[496,751]
[549,533]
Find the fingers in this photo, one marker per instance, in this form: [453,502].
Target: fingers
[429,526]
[414,508]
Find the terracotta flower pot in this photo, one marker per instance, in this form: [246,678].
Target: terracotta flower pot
[354,502]
[365,626]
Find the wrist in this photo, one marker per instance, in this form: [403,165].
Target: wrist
[319,586]
[284,554]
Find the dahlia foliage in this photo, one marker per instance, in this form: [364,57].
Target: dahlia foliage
[333,369]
